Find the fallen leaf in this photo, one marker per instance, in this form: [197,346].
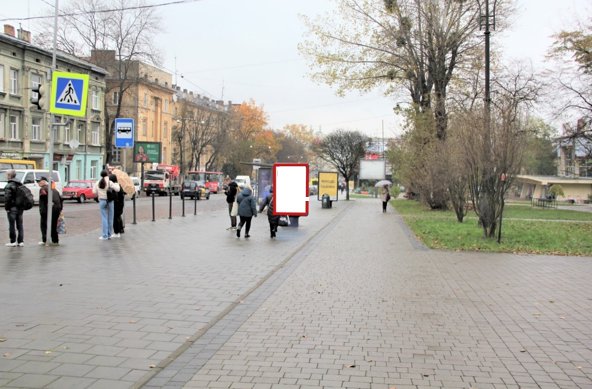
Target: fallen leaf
[6,355]
[2,340]
[152,366]
[523,351]
[351,366]
[48,352]
[551,301]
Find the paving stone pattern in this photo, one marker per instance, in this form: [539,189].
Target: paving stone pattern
[347,300]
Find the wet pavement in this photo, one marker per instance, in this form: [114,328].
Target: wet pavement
[349,299]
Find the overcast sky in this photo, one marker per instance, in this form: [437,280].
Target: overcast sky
[247,49]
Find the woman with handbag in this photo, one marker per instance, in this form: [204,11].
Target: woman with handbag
[106,191]
[231,191]
[386,196]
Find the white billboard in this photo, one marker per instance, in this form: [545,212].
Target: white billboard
[372,169]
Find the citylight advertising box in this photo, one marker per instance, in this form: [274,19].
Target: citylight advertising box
[328,185]
[290,189]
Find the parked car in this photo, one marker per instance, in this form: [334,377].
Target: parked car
[29,177]
[79,190]
[195,189]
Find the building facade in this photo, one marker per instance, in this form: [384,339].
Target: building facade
[146,95]
[25,130]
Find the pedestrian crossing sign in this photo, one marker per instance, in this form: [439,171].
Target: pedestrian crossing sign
[69,94]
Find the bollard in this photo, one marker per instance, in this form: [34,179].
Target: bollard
[134,208]
[152,194]
[170,204]
[182,205]
[195,204]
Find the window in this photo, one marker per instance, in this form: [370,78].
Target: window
[79,172]
[35,81]
[95,134]
[14,133]
[80,134]
[67,133]
[56,130]
[115,97]
[166,105]
[36,129]
[93,169]
[152,129]
[145,99]
[166,130]
[3,127]
[144,127]
[1,78]
[95,100]
[14,86]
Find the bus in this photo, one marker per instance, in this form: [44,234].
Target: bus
[6,164]
[212,180]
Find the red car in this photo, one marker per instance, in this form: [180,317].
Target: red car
[79,190]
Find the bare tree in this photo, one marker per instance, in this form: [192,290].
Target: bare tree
[494,155]
[343,149]
[118,36]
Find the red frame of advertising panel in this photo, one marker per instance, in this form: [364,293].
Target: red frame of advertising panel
[286,188]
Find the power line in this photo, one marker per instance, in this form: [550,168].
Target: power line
[104,10]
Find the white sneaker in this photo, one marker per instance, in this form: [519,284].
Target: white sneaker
[22,244]
[116,236]
[102,238]
[41,243]
[13,244]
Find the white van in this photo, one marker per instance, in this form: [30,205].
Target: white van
[242,181]
[29,178]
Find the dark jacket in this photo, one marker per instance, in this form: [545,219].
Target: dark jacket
[10,194]
[247,206]
[231,192]
[269,204]
[56,200]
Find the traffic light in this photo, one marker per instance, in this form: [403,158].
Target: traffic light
[41,100]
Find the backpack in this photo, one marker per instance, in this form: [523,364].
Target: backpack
[24,198]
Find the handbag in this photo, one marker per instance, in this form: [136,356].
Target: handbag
[234,210]
[61,225]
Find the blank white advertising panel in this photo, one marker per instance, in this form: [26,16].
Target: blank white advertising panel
[372,169]
[290,189]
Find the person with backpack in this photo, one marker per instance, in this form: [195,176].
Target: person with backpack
[14,210]
[56,209]
[274,221]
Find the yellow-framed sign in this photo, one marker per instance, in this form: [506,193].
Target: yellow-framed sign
[328,184]
[69,93]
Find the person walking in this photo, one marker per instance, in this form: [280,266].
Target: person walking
[231,190]
[274,221]
[105,189]
[118,205]
[386,196]
[14,212]
[56,208]
[247,208]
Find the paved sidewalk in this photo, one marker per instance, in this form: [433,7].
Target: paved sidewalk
[348,300]
[368,308]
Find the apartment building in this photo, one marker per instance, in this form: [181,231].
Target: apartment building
[25,130]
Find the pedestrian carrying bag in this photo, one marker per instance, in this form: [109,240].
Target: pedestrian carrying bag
[61,227]
[24,198]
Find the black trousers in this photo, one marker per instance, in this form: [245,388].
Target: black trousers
[245,221]
[55,214]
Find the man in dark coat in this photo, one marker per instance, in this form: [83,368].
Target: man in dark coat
[231,190]
[56,208]
[13,211]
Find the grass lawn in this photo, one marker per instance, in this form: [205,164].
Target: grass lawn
[524,230]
